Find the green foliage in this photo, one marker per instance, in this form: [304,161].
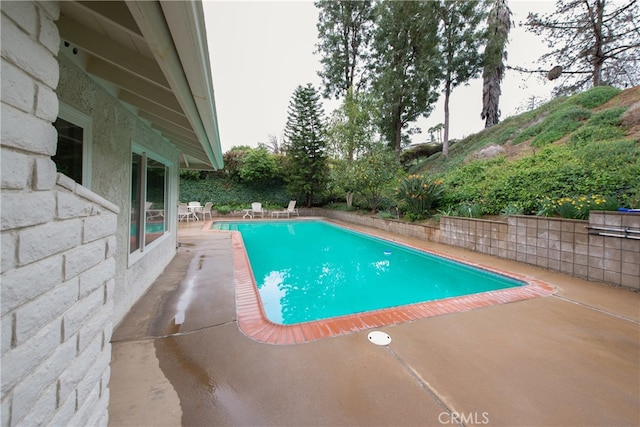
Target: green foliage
[306,144]
[576,207]
[600,167]
[344,35]
[603,125]
[469,210]
[259,167]
[373,175]
[223,191]
[406,74]
[595,96]
[555,126]
[417,194]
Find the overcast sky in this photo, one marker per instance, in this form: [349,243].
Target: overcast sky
[261,51]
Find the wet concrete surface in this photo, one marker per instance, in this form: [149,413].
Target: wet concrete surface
[179,358]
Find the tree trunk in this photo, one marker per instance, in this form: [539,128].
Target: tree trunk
[445,141]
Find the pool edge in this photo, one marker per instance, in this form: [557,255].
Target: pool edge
[253,322]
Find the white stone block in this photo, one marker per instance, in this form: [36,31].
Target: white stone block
[69,205]
[18,362]
[112,246]
[19,285]
[24,14]
[97,276]
[42,410]
[28,392]
[66,410]
[18,89]
[99,226]
[83,258]
[42,241]
[8,240]
[49,36]
[94,327]
[44,174]
[49,10]
[44,309]
[46,103]
[83,309]
[5,411]
[27,132]
[27,54]
[20,209]
[84,362]
[6,324]
[15,171]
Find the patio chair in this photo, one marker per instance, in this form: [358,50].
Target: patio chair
[184,212]
[153,213]
[291,210]
[256,208]
[206,210]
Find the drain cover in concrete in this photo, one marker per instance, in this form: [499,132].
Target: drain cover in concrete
[379,338]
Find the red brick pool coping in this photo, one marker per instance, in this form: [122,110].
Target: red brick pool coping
[254,324]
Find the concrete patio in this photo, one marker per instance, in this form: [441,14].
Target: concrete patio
[179,358]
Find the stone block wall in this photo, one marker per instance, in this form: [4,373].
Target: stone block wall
[58,246]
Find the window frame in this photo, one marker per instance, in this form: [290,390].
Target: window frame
[143,247]
[82,120]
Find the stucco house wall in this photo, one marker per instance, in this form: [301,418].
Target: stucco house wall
[114,130]
[67,277]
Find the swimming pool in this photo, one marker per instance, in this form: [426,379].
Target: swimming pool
[312,270]
[254,324]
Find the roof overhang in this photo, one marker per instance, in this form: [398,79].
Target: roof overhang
[153,57]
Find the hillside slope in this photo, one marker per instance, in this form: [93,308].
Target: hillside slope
[584,145]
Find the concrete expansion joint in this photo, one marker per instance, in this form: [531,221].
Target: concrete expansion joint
[595,308]
[425,386]
[174,334]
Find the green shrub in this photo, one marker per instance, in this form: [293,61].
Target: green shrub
[469,210]
[416,194]
[560,124]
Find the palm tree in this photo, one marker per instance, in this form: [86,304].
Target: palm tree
[495,53]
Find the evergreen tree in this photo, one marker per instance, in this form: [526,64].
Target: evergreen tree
[306,144]
[344,31]
[495,53]
[593,42]
[406,73]
[460,38]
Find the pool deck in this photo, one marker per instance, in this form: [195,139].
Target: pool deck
[571,357]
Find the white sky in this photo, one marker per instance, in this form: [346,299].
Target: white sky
[261,51]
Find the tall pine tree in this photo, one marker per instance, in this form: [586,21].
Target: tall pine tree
[306,144]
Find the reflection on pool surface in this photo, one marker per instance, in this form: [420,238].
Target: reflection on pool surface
[311,270]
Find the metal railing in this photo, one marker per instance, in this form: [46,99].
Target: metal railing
[625,232]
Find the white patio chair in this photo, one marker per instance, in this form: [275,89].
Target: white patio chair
[184,212]
[256,208]
[290,210]
[206,210]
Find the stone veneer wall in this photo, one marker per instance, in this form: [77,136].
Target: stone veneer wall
[58,245]
[558,244]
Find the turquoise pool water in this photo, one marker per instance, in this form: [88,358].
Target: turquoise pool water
[312,270]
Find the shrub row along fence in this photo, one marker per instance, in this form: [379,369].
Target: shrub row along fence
[604,248]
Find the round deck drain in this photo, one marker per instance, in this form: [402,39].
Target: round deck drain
[379,338]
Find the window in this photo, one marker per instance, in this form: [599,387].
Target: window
[149,177]
[73,153]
